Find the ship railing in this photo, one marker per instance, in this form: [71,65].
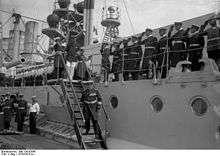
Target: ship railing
[121,61]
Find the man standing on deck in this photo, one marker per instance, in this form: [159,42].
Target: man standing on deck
[195,44]
[177,43]
[150,43]
[7,109]
[34,111]
[92,102]
[162,48]
[21,113]
[213,35]
[59,65]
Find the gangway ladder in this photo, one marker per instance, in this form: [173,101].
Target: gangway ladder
[74,107]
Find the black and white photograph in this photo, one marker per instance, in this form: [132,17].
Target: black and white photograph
[109,75]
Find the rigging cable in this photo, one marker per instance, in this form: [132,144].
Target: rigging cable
[24,16]
[132,26]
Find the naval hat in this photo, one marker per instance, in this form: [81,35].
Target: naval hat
[149,29]
[178,23]
[7,93]
[34,97]
[195,26]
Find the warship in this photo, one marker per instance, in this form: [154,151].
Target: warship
[181,111]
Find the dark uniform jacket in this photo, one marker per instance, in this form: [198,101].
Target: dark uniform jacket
[162,47]
[117,59]
[150,43]
[195,44]
[90,98]
[21,111]
[58,63]
[8,109]
[177,44]
[213,35]
[133,56]
[105,52]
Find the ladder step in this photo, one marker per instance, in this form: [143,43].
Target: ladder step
[93,141]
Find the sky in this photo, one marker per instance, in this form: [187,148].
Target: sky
[143,13]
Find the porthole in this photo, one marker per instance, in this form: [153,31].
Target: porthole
[199,106]
[156,104]
[113,101]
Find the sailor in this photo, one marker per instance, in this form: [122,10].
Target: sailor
[92,102]
[21,112]
[59,65]
[162,57]
[106,65]
[71,49]
[8,110]
[34,110]
[213,35]
[177,43]
[195,44]
[117,57]
[134,57]
[150,43]
[81,72]
[127,43]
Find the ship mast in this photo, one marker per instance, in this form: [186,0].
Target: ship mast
[88,21]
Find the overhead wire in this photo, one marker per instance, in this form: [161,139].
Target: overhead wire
[129,18]
[24,16]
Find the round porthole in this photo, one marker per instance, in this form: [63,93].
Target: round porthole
[114,101]
[156,103]
[199,106]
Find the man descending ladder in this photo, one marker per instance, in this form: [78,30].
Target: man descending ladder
[91,105]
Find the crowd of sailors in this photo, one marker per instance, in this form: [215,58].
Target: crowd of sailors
[14,106]
[147,56]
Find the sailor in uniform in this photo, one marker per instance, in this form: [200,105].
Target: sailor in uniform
[150,43]
[177,43]
[8,110]
[21,112]
[34,110]
[134,58]
[213,35]
[195,44]
[116,63]
[106,65]
[92,102]
[162,48]
[59,65]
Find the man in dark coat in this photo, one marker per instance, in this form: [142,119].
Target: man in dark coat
[163,49]
[117,60]
[21,112]
[106,65]
[133,59]
[150,52]
[59,65]
[213,35]
[92,103]
[177,43]
[195,44]
[8,110]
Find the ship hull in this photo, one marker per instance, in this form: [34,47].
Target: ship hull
[134,124]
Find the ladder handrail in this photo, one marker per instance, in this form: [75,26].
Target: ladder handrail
[72,115]
[71,85]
